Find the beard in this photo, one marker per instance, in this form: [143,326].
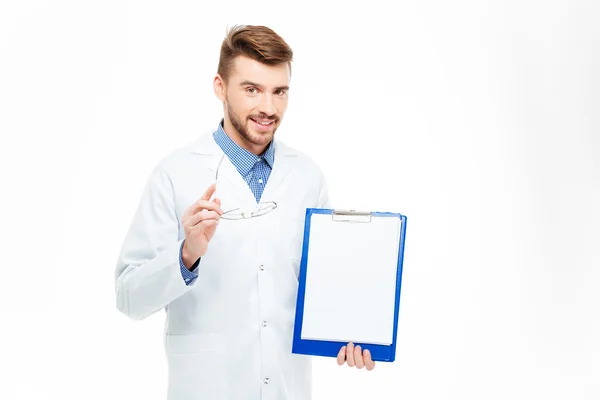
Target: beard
[248,132]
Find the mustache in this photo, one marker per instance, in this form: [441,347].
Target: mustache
[264,116]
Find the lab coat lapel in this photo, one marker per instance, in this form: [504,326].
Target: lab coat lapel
[282,166]
[232,189]
[232,183]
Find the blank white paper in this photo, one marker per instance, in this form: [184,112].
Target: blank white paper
[351,280]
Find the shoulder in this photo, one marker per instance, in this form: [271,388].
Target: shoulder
[181,156]
[177,163]
[173,161]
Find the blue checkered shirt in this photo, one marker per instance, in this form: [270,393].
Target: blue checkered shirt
[254,169]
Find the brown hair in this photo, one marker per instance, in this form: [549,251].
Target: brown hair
[256,42]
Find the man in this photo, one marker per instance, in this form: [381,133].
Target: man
[225,268]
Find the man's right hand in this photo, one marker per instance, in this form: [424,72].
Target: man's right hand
[200,222]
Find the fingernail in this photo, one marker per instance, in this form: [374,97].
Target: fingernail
[367,353]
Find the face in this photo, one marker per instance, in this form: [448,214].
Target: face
[255,98]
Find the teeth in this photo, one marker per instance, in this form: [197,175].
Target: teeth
[263,123]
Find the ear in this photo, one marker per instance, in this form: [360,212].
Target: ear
[219,87]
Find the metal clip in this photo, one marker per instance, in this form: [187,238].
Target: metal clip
[351,216]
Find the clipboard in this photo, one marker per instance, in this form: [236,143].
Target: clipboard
[358,233]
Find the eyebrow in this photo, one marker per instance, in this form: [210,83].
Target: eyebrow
[249,83]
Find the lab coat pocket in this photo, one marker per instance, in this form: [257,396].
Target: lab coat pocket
[197,366]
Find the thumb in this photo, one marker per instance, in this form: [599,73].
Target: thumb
[218,201]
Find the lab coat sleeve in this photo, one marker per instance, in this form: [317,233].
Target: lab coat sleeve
[148,275]
[187,275]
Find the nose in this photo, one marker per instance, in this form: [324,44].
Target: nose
[267,105]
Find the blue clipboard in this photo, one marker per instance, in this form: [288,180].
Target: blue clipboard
[379,352]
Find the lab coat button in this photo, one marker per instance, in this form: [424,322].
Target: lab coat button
[261,267]
[264,324]
[266,381]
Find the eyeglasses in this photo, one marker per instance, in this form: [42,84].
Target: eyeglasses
[262,208]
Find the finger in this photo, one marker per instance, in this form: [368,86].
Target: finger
[358,357]
[341,357]
[369,363]
[201,227]
[210,227]
[209,192]
[206,223]
[203,205]
[201,216]
[218,201]
[350,355]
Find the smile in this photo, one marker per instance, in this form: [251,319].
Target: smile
[265,126]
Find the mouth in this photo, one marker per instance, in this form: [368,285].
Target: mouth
[263,125]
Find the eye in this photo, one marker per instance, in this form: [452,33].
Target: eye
[251,90]
[280,92]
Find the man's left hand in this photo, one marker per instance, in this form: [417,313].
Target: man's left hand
[355,357]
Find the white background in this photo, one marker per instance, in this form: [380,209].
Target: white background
[477,120]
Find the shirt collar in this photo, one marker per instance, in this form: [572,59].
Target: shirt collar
[241,158]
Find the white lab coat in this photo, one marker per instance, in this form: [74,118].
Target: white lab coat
[229,334]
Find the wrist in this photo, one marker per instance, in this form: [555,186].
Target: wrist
[188,259]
